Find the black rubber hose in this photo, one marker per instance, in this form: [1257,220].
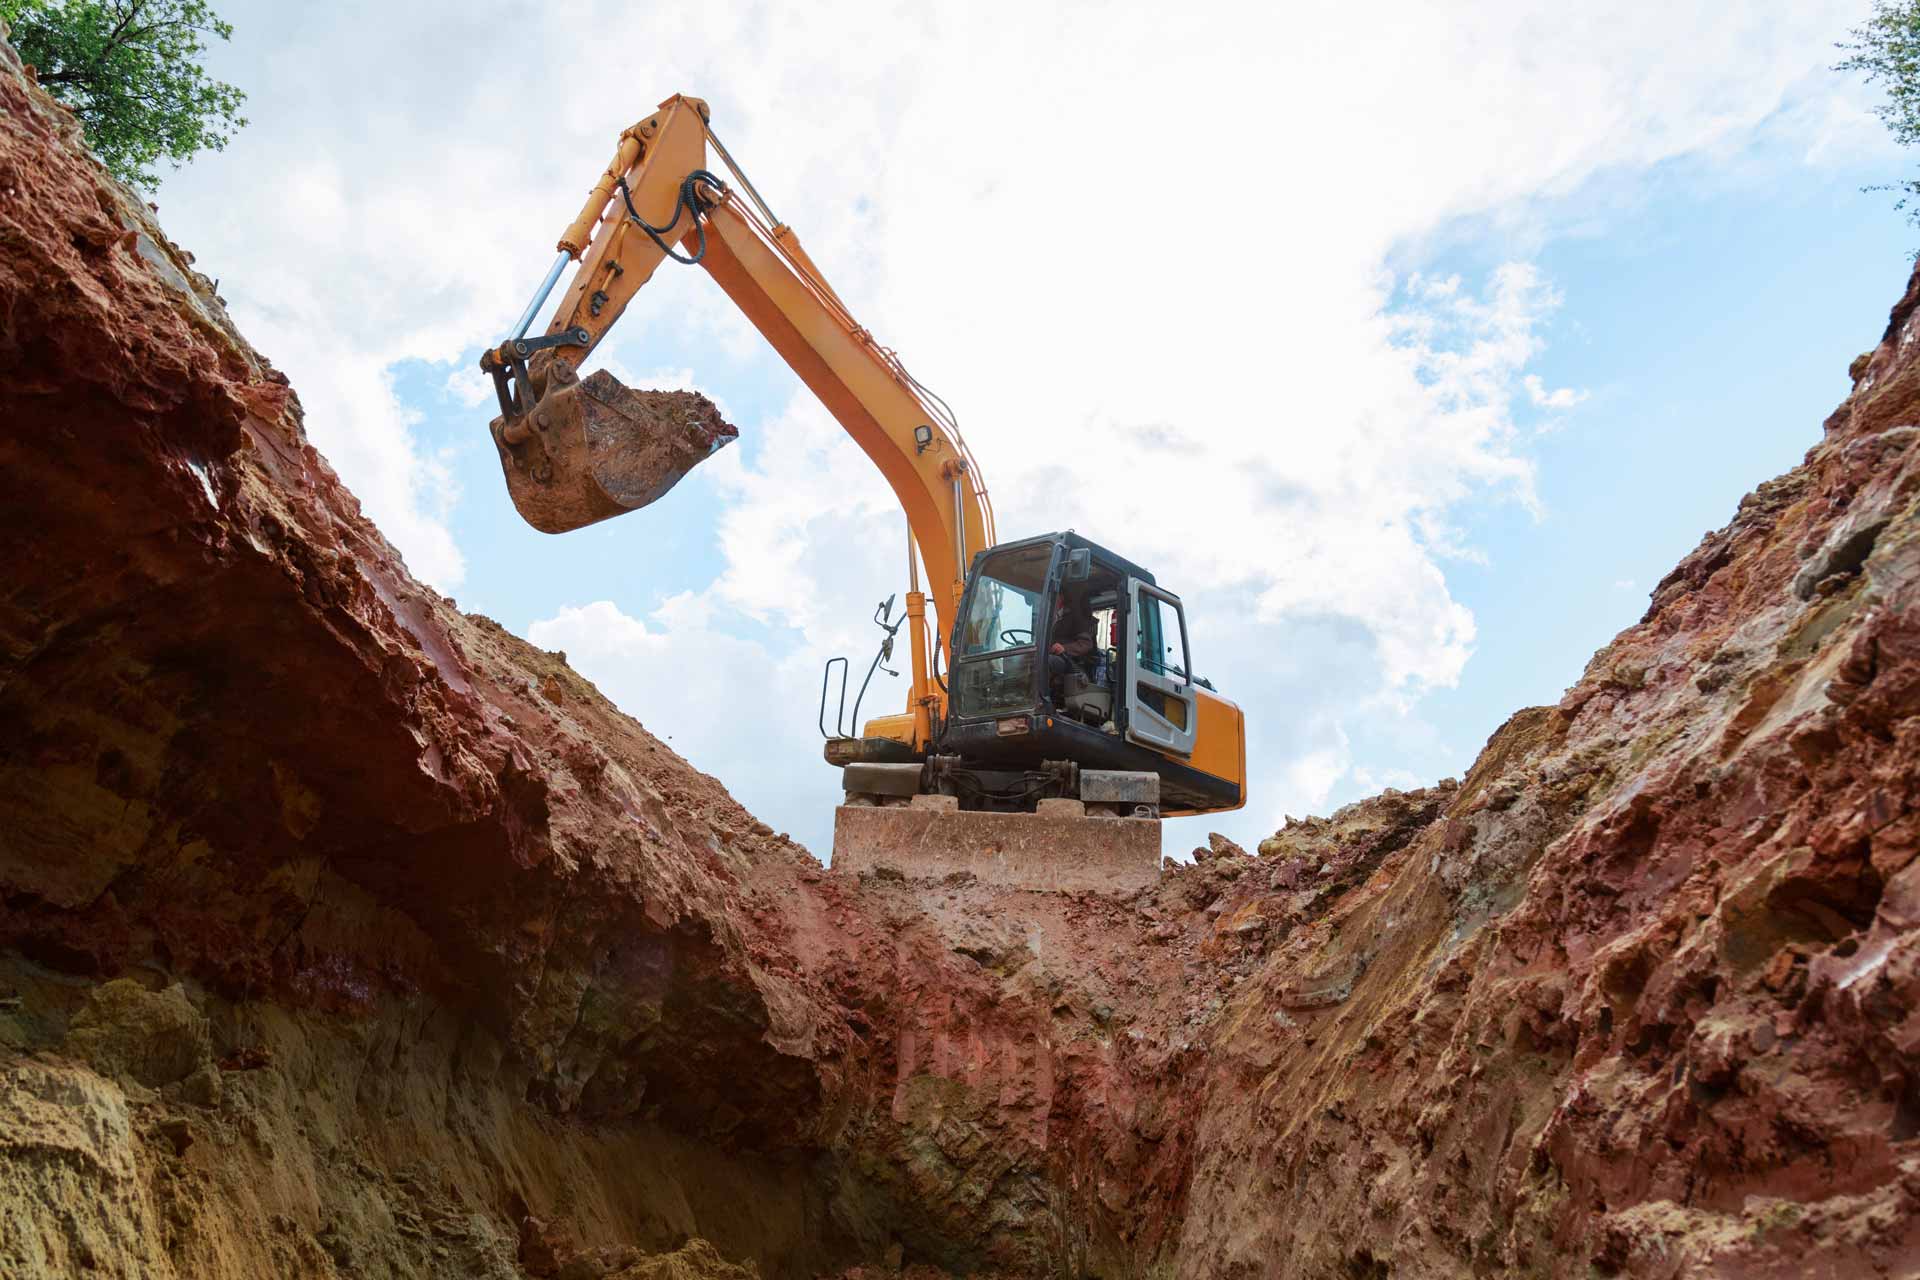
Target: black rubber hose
[688,203]
[872,667]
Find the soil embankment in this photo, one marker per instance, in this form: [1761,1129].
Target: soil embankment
[345,934]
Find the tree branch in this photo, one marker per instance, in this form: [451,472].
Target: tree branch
[133,11]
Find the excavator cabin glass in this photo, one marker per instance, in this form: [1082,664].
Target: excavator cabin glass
[1027,600]
[994,670]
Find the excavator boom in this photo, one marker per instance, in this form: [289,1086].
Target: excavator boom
[575,452]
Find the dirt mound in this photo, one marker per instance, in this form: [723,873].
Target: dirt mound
[342,933]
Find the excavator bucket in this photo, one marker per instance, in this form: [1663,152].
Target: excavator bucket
[593,448]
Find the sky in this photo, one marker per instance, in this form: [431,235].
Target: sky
[1410,344]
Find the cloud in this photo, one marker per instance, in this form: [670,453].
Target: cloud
[1559,398]
[1311,776]
[726,703]
[1378,780]
[1144,251]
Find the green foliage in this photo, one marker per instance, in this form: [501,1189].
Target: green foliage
[1887,49]
[130,69]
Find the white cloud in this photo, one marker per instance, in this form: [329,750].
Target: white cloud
[1311,777]
[725,703]
[467,390]
[1141,249]
[1372,780]
[1558,398]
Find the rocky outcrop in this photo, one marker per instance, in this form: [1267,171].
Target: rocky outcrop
[342,933]
[1640,994]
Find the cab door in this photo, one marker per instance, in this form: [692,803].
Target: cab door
[1161,712]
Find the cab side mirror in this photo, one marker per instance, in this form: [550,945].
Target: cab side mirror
[1079,565]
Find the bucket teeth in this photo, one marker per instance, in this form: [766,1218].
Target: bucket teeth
[592,449]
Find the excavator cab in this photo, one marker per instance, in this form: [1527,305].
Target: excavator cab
[1016,710]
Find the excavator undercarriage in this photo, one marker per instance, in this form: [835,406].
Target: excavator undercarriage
[1107,793]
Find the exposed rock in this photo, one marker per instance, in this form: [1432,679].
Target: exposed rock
[69,1155]
[345,933]
[138,1036]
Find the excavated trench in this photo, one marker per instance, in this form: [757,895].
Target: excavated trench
[345,934]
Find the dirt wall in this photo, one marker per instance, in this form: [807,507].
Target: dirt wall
[343,933]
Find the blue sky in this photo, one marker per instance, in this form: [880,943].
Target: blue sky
[1440,338]
[1712,325]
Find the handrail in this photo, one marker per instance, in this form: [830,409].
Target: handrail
[840,715]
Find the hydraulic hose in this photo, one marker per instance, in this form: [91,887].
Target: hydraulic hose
[688,203]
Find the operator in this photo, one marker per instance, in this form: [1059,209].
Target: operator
[1072,633]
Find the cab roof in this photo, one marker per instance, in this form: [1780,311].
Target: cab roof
[1072,541]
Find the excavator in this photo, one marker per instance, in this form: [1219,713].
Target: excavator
[1051,702]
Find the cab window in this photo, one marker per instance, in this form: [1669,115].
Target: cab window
[1157,646]
[1004,607]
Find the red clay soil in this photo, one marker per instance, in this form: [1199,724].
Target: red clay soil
[342,933]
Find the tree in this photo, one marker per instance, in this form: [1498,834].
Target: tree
[1887,49]
[130,69]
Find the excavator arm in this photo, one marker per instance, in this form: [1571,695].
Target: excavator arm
[571,449]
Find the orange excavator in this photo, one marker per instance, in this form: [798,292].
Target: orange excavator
[1051,703]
